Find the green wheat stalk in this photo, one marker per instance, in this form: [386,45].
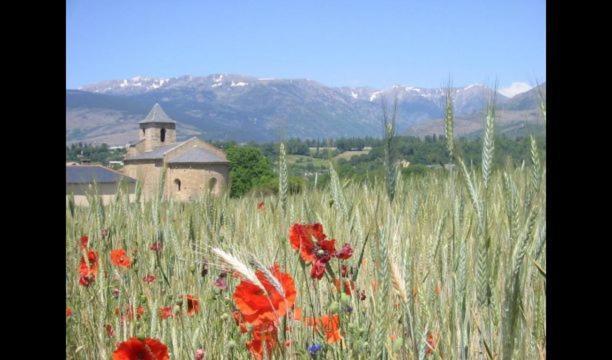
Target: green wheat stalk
[449,122]
[282,177]
[488,145]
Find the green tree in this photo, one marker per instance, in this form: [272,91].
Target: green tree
[248,168]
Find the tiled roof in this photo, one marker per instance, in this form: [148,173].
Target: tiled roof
[157,115]
[157,153]
[197,155]
[88,174]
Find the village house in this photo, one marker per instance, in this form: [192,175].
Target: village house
[192,167]
[82,180]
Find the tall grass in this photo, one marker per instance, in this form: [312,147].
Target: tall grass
[422,269]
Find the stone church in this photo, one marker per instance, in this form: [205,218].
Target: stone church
[193,167]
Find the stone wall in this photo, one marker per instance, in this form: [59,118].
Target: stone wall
[152,135]
[148,172]
[195,179]
[106,192]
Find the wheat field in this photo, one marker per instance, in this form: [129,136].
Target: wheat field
[452,268]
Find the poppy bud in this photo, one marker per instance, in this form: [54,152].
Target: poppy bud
[199,354]
[231,344]
[346,252]
[224,316]
[109,330]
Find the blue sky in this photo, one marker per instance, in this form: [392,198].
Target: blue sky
[338,43]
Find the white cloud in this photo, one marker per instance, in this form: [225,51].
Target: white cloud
[515,89]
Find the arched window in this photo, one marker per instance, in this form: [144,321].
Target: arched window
[162,135]
[211,184]
[177,182]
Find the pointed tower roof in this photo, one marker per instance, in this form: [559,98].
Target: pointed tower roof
[157,115]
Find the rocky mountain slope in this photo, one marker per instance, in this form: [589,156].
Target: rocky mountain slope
[245,108]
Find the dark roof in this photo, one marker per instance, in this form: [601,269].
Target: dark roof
[155,154]
[157,115]
[87,174]
[197,155]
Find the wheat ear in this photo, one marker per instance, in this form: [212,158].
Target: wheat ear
[268,274]
[398,282]
[239,266]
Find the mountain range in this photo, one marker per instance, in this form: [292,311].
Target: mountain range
[246,108]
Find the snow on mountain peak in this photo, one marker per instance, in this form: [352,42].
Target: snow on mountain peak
[374,95]
[472,86]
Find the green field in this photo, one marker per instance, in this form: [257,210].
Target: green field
[453,268]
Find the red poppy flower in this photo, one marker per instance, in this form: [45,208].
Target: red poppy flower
[297,314]
[344,270]
[84,241]
[149,279]
[261,206]
[330,325]
[145,349]
[349,286]
[119,258]
[264,339]
[88,269]
[109,330]
[165,312]
[301,238]
[314,248]
[318,268]
[324,251]
[431,342]
[331,328]
[258,307]
[193,305]
[157,246]
[128,314]
[68,312]
[345,253]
